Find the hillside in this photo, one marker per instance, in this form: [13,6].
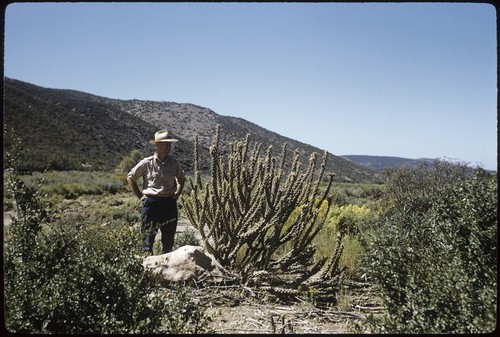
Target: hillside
[69,129]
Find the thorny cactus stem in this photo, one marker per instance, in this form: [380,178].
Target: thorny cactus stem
[245,213]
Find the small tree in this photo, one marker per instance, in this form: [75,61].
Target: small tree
[261,224]
[410,190]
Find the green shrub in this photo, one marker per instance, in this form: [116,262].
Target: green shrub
[67,278]
[351,221]
[73,284]
[351,256]
[184,314]
[128,162]
[73,184]
[435,259]
[356,194]
[188,237]
[411,190]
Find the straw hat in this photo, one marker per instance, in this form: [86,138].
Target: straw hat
[162,136]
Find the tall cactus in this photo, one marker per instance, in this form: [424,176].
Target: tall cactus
[243,214]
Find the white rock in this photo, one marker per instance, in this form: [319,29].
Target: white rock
[187,263]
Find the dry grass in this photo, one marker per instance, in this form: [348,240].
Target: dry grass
[246,311]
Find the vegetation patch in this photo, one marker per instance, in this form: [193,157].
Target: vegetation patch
[416,254]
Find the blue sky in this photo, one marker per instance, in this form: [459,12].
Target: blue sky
[409,80]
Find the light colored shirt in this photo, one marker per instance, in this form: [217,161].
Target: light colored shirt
[159,178]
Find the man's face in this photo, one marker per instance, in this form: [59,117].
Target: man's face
[163,149]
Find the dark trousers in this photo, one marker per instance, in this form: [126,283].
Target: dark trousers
[159,213]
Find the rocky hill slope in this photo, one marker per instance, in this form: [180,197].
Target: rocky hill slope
[68,129]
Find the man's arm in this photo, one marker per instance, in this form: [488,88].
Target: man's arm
[133,186]
[180,179]
[178,190]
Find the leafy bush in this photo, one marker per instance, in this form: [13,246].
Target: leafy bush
[70,285]
[351,221]
[69,278]
[411,189]
[356,194]
[188,237]
[128,162]
[434,255]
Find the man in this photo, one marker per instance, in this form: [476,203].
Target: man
[163,181]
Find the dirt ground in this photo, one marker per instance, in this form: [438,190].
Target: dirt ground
[276,319]
[254,314]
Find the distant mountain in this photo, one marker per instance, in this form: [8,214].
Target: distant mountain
[380,163]
[70,129]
